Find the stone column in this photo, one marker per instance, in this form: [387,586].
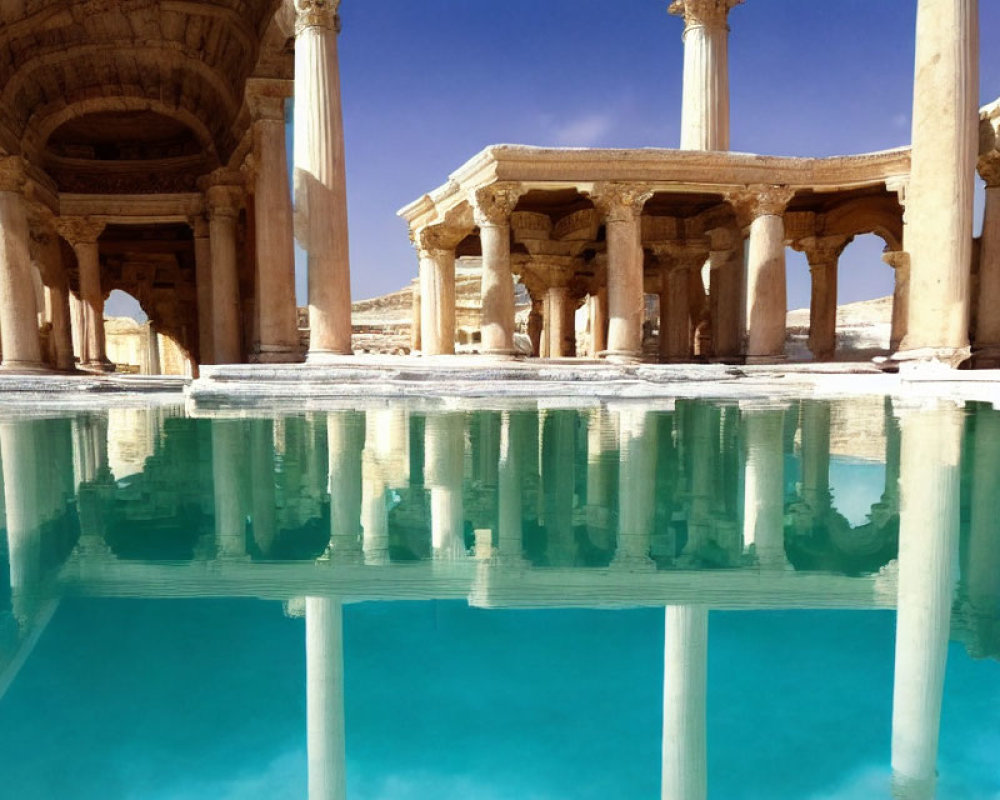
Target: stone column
[325,740]
[823,254]
[222,212]
[899,260]
[18,304]
[685,692]
[320,177]
[203,287]
[47,253]
[945,145]
[345,434]
[76,328]
[277,313]
[493,206]
[986,347]
[675,316]
[705,108]
[536,324]
[598,322]
[636,487]
[727,306]
[444,457]
[152,350]
[766,293]
[437,293]
[558,300]
[764,484]
[928,536]
[416,327]
[82,234]
[229,459]
[621,205]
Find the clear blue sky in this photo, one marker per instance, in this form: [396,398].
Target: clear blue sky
[427,85]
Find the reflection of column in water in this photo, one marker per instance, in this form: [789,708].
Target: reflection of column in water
[513,454]
[345,433]
[702,447]
[262,491]
[636,486]
[763,493]
[892,440]
[685,660]
[325,699]
[229,458]
[374,511]
[602,442]
[981,562]
[90,446]
[444,456]
[816,456]
[928,531]
[558,479]
[20,478]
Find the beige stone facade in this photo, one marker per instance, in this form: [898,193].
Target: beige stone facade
[142,148]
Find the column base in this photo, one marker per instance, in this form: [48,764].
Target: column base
[276,355]
[35,367]
[327,356]
[986,357]
[948,356]
[778,359]
[507,354]
[621,356]
[97,365]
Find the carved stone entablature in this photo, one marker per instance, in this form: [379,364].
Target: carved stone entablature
[709,13]
[317,14]
[620,202]
[80,230]
[165,181]
[661,229]
[493,205]
[12,174]
[821,251]
[989,168]
[800,224]
[531,225]
[760,201]
[581,225]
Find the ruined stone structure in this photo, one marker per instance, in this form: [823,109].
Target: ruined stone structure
[705,231]
[142,148]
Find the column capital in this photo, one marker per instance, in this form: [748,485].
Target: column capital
[493,205]
[80,230]
[620,202]
[821,251]
[199,225]
[760,200]
[436,238]
[988,167]
[317,14]
[13,177]
[897,259]
[703,13]
[222,201]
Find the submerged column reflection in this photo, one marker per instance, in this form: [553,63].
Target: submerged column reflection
[685,666]
[345,435]
[325,743]
[229,458]
[929,518]
[514,430]
[763,488]
[19,450]
[636,487]
[444,458]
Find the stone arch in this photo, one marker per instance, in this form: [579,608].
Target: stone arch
[879,215]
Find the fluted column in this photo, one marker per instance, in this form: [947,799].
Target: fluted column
[203,287]
[277,314]
[705,107]
[621,205]
[766,294]
[444,456]
[493,206]
[325,740]
[685,692]
[928,536]
[82,234]
[320,177]
[945,146]
[986,346]
[345,434]
[764,484]
[18,304]
[823,254]
[222,213]
[437,292]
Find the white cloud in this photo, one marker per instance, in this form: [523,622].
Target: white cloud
[587,131]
